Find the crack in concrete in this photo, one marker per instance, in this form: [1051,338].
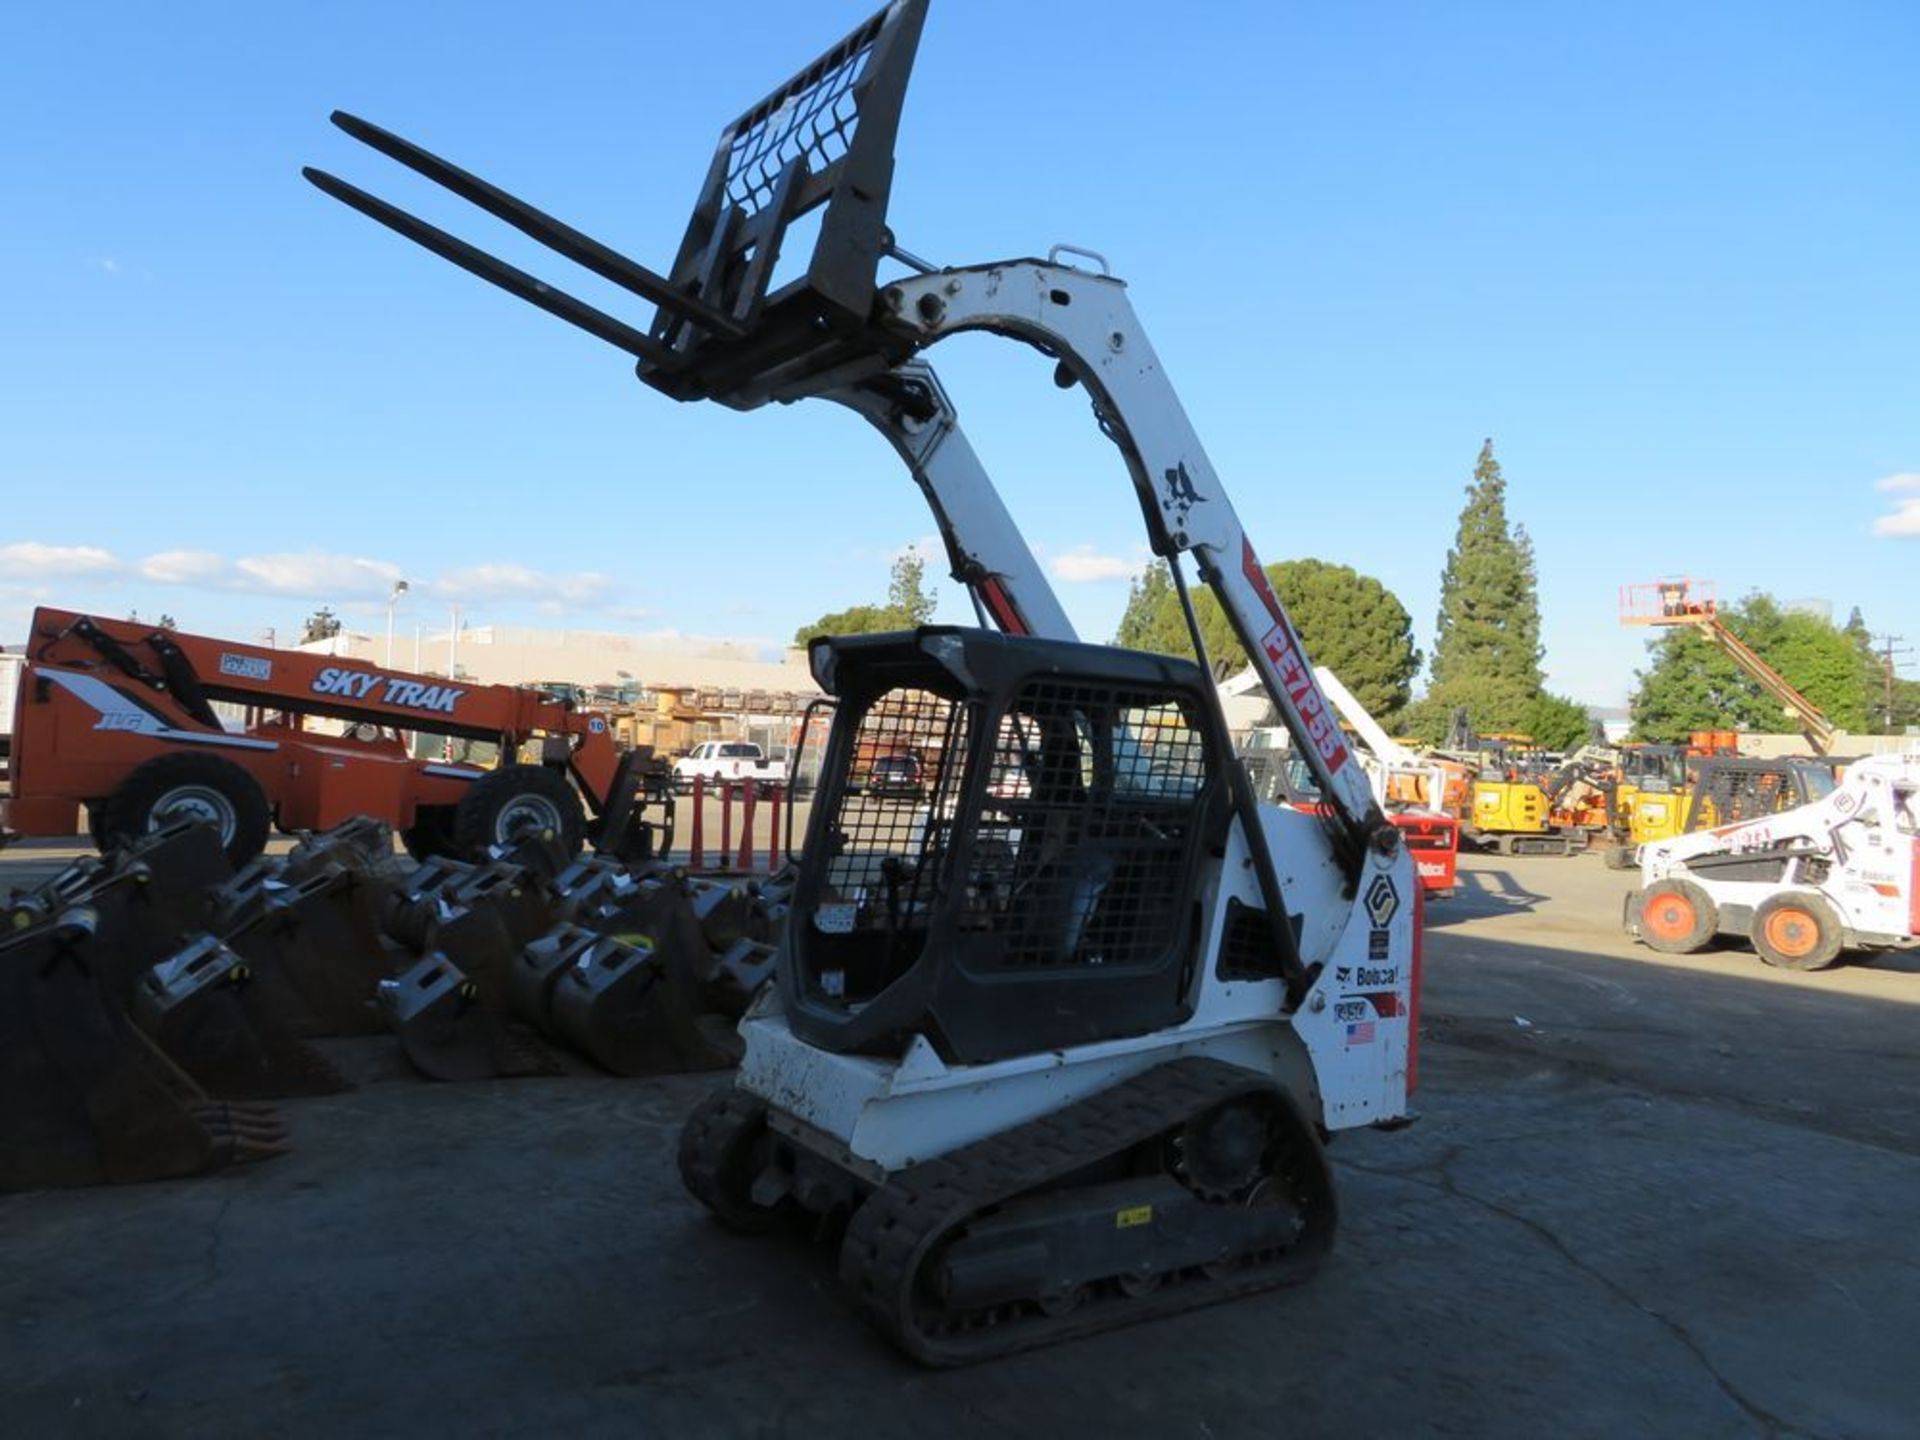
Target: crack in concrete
[211,1262]
[1445,1183]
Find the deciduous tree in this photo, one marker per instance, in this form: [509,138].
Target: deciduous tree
[1349,622]
[909,603]
[1691,683]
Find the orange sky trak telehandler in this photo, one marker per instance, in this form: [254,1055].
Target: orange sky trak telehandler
[117,716]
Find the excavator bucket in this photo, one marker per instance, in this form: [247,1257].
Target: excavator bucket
[178,866]
[722,908]
[738,973]
[197,1006]
[450,1009]
[631,980]
[312,944]
[539,853]
[479,917]
[539,968]
[84,1098]
[59,892]
[451,1029]
[362,844]
[634,1012]
[742,967]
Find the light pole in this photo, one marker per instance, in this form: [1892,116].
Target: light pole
[393,599]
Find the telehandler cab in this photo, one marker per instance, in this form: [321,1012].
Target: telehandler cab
[1045,1056]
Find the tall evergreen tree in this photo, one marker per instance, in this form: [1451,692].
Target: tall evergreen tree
[1486,652]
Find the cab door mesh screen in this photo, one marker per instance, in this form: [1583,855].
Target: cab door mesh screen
[894,810]
[1092,807]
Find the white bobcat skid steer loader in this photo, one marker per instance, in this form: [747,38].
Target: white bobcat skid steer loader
[1054,1043]
[1805,885]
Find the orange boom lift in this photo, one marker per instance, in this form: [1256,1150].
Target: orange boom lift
[1692,602]
[119,717]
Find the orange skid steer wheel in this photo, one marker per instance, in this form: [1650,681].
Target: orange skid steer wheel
[1796,930]
[1677,917]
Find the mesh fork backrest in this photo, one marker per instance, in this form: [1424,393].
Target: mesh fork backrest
[824,138]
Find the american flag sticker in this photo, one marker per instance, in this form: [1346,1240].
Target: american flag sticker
[1360,1033]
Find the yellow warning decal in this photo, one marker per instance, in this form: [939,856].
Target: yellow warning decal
[1131,1216]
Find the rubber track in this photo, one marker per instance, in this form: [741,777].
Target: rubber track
[707,1144]
[899,1226]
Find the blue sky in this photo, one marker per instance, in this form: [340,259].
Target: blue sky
[1664,255]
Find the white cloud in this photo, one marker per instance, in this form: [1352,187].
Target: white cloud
[315,573]
[30,560]
[1085,565]
[182,567]
[348,581]
[1903,520]
[106,263]
[582,590]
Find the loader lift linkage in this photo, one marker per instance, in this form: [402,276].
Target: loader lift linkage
[1226,982]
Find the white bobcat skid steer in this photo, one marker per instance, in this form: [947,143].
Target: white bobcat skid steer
[1056,1039]
[1805,885]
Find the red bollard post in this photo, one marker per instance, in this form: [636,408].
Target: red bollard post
[726,821]
[774,797]
[696,844]
[749,794]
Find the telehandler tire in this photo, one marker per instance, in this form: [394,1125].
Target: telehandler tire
[184,785]
[1677,917]
[1797,930]
[431,834]
[502,803]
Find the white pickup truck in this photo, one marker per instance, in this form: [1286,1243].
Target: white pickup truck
[726,760]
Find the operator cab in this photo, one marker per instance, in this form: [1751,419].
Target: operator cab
[1067,795]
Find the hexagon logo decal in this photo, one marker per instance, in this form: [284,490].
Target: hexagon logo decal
[1383,901]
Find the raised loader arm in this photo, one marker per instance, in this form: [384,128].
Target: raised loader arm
[823,140]
[985,549]
[1087,323]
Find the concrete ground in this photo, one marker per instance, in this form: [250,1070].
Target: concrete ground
[1646,1196]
